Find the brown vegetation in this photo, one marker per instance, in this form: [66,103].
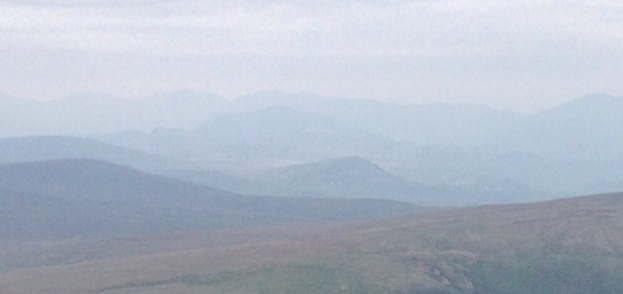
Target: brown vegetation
[447,251]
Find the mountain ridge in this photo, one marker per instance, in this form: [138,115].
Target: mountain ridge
[89,198]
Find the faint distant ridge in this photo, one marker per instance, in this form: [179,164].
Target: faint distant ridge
[347,166]
[436,123]
[591,105]
[35,148]
[40,148]
[281,131]
[588,127]
[470,150]
[88,114]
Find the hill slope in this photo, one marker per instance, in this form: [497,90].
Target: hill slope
[40,148]
[273,133]
[284,133]
[564,246]
[590,127]
[349,177]
[86,198]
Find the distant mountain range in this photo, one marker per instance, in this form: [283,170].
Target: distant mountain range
[345,177]
[271,133]
[587,128]
[465,154]
[90,114]
[588,122]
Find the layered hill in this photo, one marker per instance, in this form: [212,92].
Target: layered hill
[347,178]
[41,148]
[86,198]
[279,131]
[431,124]
[564,246]
[590,127]
[274,133]
[489,155]
[356,177]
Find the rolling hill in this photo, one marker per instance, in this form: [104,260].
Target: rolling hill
[41,148]
[348,177]
[431,124]
[262,138]
[590,127]
[563,246]
[356,177]
[85,198]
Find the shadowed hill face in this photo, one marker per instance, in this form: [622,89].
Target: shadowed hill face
[79,198]
[74,198]
[86,175]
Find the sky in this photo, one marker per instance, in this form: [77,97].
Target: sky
[518,55]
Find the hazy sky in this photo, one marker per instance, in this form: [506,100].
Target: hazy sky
[522,55]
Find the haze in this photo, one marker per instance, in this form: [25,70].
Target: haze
[356,146]
[519,55]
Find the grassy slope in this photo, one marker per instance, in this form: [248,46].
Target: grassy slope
[566,246]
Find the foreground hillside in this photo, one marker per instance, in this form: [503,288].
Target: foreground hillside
[563,246]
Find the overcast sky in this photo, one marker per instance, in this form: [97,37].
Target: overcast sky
[520,55]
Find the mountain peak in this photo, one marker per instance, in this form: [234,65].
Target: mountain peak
[354,161]
[593,106]
[591,101]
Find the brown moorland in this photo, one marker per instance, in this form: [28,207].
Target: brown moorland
[563,246]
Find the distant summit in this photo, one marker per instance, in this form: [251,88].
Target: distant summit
[597,104]
[348,177]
